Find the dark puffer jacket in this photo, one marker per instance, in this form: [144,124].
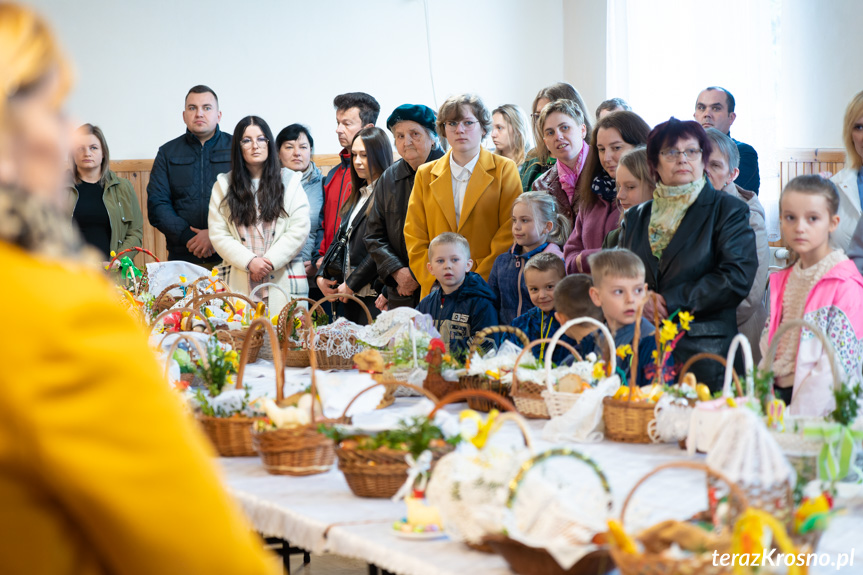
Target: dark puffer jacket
[707,269]
[385,237]
[178,195]
[462,313]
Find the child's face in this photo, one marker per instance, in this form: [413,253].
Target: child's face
[540,286]
[619,299]
[806,223]
[449,264]
[578,331]
[526,231]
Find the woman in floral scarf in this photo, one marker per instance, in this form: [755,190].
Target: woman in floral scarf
[696,243]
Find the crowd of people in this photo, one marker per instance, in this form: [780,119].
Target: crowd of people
[453,228]
[604,216]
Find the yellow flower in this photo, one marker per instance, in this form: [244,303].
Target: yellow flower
[624,350]
[208,312]
[183,280]
[215,273]
[685,317]
[275,319]
[113,254]
[667,332]
[599,370]
[655,354]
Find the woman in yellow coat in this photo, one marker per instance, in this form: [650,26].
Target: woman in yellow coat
[100,470]
[469,191]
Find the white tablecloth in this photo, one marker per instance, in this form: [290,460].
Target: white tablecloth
[319,513]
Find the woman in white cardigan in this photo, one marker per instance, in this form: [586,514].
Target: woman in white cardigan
[850,179]
[259,218]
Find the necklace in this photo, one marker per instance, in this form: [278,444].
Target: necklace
[548,331]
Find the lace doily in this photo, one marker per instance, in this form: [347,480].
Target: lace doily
[162,274]
[339,338]
[671,422]
[395,325]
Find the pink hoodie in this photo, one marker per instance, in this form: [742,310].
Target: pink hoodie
[591,226]
[835,305]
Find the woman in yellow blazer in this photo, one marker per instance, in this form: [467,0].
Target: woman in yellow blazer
[469,191]
[100,470]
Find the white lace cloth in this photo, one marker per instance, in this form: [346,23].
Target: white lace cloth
[395,325]
[341,338]
[162,274]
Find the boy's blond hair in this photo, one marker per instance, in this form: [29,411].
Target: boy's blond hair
[617,262]
[572,297]
[545,261]
[451,238]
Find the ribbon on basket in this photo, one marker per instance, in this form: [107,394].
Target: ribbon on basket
[837,455]
[417,467]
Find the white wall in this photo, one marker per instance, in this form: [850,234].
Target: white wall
[820,71]
[584,38]
[286,60]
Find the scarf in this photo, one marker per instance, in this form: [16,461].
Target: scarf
[604,187]
[670,204]
[568,176]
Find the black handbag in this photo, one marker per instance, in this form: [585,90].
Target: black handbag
[333,266]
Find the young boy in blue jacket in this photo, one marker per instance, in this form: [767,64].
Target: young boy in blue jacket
[618,289]
[464,304]
[572,300]
[542,273]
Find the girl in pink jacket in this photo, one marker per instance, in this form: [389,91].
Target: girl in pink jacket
[823,287]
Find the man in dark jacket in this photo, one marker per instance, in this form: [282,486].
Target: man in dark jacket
[413,128]
[715,109]
[185,169]
[354,111]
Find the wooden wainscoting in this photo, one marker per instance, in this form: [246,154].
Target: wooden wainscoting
[138,172]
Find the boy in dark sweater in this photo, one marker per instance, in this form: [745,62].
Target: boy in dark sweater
[464,304]
[572,300]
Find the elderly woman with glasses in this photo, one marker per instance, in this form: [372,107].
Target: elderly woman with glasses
[696,243]
[259,218]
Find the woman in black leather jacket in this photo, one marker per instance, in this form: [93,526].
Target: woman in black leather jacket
[413,128]
[371,155]
[696,243]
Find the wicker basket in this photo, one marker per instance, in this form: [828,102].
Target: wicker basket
[683,371]
[299,451]
[657,564]
[626,420]
[559,402]
[381,472]
[192,313]
[324,360]
[139,286]
[235,337]
[267,350]
[527,395]
[293,356]
[526,560]
[480,403]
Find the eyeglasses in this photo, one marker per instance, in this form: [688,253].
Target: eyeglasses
[672,154]
[261,142]
[466,124]
[535,117]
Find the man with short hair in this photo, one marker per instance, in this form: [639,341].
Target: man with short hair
[185,169]
[715,109]
[354,111]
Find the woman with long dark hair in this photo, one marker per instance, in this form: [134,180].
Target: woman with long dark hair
[371,154]
[259,217]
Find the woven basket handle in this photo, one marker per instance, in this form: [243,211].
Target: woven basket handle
[465,393]
[739,342]
[521,422]
[828,347]
[199,300]
[137,250]
[738,493]
[211,281]
[425,392]
[516,481]
[271,285]
[267,326]
[718,358]
[334,297]
[531,345]
[164,293]
[208,328]
[176,343]
[282,328]
[313,360]
[612,360]
[481,334]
